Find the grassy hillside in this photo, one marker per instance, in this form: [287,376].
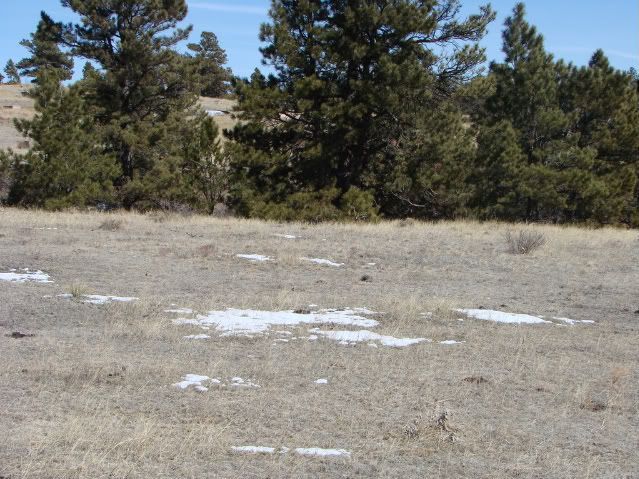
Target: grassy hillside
[89,390]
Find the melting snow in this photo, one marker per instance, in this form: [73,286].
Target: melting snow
[286,236]
[321,381]
[451,341]
[197,336]
[318,451]
[194,380]
[501,317]
[352,337]
[254,257]
[572,322]
[242,383]
[302,451]
[322,261]
[233,322]
[214,112]
[253,449]
[26,276]
[99,299]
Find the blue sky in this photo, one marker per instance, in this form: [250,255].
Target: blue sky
[573,29]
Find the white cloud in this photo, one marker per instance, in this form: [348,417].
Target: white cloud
[219,7]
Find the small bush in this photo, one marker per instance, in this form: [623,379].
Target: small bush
[77,290]
[525,242]
[111,224]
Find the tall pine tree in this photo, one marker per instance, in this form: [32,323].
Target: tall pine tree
[140,90]
[319,131]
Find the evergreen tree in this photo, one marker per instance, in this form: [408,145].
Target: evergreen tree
[66,165]
[561,173]
[209,59]
[141,92]
[318,131]
[45,51]
[1,77]
[13,75]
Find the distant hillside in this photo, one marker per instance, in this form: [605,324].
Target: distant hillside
[14,104]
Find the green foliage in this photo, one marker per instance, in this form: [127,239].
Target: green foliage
[345,73]
[556,143]
[66,166]
[141,93]
[13,75]
[208,62]
[45,51]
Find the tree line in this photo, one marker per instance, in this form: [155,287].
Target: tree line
[372,109]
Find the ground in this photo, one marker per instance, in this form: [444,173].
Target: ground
[89,391]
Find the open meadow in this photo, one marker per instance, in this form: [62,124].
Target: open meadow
[331,350]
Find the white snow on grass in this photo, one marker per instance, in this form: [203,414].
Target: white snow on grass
[238,382]
[501,317]
[320,452]
[214,112]
[302,451]
[254,257]
[199,382]
[451,341]
[197,336]
[572,322]
[326,262]
[253,449]
[286,236]
[321,381]
[353,337]
[100,299]
[193,380]
[26,276]
[243,322]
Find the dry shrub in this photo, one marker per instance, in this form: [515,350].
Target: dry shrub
[111,224]
[525,242]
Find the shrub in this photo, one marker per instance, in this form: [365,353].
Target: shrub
[525,242]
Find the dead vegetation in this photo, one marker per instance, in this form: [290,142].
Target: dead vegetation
[524,242]
[90,394]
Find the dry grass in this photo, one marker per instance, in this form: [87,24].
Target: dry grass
[90,395]
[525,242]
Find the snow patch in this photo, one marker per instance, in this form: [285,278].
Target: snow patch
[302,451]
[27,276]
[451,341]
[353,337]
[238,322]
[193,380]
[572,322]
[99,299]
[320,452]
[501,317]
[197,336]
[214,112]
[326,262]
[321,381]
[286,236]
[254,257]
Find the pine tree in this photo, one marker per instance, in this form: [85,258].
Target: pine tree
[66,165]
[318,130]
[209,60]
[141,92]
[13,75]
[45,51]
[559,175]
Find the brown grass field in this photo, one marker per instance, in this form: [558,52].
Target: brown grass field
[89,391]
